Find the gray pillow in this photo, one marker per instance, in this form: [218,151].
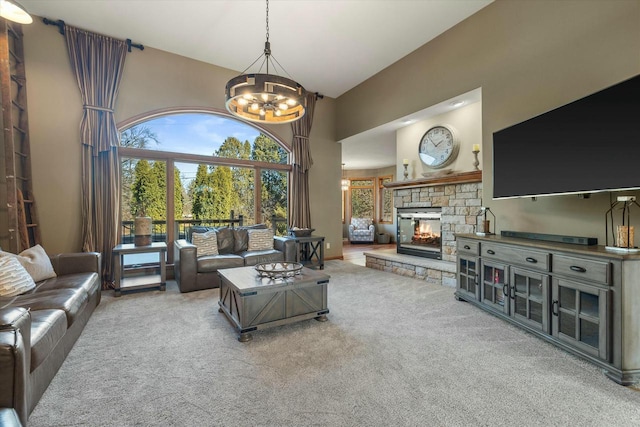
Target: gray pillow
[226,242]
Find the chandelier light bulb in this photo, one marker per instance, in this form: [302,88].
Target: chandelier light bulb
[262,112]
[255,106]
[278,113]
[283,106]
[242,101]
[265,97]
[291,102]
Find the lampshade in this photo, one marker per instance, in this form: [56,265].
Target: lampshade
[264,97]
[13,11]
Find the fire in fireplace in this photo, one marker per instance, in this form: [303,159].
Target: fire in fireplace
[419,232]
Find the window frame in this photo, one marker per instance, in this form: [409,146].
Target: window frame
[172,157]
[371,187]
[381,192]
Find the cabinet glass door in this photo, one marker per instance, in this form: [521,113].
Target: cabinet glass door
[580,316]
[529,298]
[468,277]
[494,286]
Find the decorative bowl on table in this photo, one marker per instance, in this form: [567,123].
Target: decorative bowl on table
[278,270]
[301,232]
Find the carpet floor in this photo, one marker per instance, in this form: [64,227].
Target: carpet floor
[395,352]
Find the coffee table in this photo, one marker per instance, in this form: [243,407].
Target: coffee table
[252,303]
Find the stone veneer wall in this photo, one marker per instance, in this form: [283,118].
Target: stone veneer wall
[460,205]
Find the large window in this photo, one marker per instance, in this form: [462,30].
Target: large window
[385,201]
[362,198]
[212,166]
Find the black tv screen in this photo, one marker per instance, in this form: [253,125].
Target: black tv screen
[590,145]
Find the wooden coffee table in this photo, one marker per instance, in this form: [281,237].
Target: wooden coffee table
[252,303]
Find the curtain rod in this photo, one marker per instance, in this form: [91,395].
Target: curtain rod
[60,24]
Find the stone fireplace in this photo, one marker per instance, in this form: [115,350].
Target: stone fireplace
[458,196]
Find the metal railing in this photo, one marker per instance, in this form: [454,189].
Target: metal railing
[183,227]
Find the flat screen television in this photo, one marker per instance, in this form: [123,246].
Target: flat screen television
[589,145]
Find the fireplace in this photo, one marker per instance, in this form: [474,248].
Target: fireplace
[419,232]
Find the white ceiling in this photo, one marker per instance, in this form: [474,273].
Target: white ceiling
[328,46]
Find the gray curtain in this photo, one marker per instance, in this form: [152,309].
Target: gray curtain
[299,210]
[97,62]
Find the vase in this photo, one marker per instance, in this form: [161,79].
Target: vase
[625,236]
[142,231]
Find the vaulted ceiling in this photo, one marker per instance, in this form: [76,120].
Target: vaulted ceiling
[328,46]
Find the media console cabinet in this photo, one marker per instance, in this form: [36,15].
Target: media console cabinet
[583,299]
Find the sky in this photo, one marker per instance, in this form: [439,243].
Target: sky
[196,133]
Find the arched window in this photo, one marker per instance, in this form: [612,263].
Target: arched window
[201,166]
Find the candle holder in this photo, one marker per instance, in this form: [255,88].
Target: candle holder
[476,162]
[406,172]
[486,223]
[622,233]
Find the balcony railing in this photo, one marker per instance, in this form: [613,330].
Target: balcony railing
[183,227]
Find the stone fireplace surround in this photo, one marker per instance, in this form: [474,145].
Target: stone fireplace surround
[460,196]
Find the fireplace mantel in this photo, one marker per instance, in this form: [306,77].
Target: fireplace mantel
[454,178]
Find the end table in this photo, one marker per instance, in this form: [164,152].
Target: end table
[156,280]
[310,251]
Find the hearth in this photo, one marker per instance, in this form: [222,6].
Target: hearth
[419,232]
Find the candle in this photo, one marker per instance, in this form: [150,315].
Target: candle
[405,161]
[476,147]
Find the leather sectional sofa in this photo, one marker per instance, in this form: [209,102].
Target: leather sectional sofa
[195,272]
[39,328]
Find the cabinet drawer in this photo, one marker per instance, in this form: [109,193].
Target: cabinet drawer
[470,247]
[583,269]
[536,260]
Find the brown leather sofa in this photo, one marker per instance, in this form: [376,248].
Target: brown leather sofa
[194,273]
[39,328]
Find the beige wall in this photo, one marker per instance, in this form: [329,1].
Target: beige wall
[152,80]
[528,57]
[466,121]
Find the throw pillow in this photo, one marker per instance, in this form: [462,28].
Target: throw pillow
[240,240]
[14,279]
[260,240]
[36,261]
[226,242]
[241,236]
[206,243]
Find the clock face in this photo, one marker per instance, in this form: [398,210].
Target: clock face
[438,147]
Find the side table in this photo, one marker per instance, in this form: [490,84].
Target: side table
[310,251]
[156,280]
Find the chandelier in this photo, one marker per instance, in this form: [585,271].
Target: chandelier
[344,182]
[265,98]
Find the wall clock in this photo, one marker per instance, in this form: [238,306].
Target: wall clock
[439,147]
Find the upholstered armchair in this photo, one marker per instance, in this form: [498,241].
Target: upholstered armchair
[361,230]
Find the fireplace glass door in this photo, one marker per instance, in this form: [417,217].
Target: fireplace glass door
[419,232]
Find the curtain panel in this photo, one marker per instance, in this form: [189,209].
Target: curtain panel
[97,62]
[299,210]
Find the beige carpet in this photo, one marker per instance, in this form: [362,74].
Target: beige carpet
[395,352]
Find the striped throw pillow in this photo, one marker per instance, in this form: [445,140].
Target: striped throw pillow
[36,261]
[260,240]
[207,243]
[14,279]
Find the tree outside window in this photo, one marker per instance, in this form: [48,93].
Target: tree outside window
[385,200]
